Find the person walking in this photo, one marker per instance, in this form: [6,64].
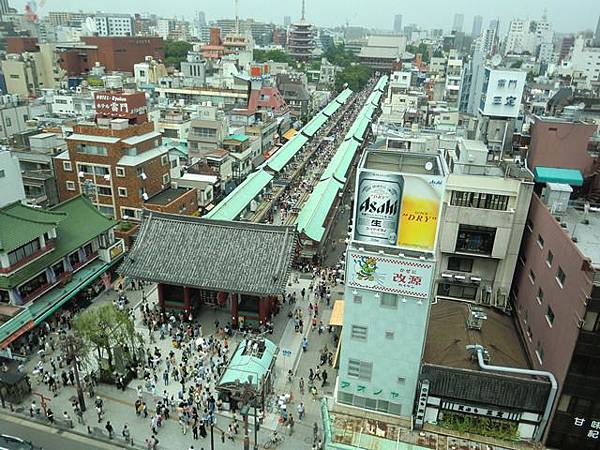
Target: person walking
[291,423]
[126,434]
[300,409]
[109,429]
[301,386]
[50,416]
[324,376]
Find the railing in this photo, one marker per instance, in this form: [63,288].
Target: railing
[49,246]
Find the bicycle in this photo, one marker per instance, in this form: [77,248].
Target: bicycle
[274,441]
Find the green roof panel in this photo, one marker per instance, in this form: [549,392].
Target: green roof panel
[331,108]
[558,175]
[314,124]
[244,363]
[311,220]
[285,154]
[344,96]
[232,205]
[20,224]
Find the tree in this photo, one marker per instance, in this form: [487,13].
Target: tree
[261,56]
[105,329]
[338,55]
[356,76]
[422,48]
[176,52]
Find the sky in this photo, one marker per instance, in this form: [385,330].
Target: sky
[565,16]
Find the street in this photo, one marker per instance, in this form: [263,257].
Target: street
[47,437]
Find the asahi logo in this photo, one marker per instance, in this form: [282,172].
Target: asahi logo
[388,208]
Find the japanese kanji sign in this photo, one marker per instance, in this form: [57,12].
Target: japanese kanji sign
[389,274]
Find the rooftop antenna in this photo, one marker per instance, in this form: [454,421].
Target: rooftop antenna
[303,8]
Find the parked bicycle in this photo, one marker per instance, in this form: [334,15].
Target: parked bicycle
[274,440]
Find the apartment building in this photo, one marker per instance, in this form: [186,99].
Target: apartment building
[114,24]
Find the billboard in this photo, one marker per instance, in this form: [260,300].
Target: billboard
[120,105]
[398,209]
[390,274]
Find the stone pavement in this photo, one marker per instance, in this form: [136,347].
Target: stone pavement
[119,405]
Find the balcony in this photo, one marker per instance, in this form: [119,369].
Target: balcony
[22,262]
[112,252]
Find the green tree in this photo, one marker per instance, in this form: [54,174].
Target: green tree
[422,48]
[176,52]
[105,329]
[517,64]
[356,76]
[338,55]
[261,56]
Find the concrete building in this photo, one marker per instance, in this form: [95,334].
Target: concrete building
[377,373]
[586,59]
[477,26]
[457,24]
[398,23]
[207,131]
[11,184]
[149,72]
[484,213]
[114,24]
[15,115]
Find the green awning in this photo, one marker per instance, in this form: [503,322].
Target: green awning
[330,109]
[315,123]
[285,154]
[343,96]
[232,205]
[375,97]
[572,177]
[311,220]
[244,362]
[361,127]
[367,111]
[381,83]
[340,163]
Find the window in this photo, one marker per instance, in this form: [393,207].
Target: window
[23,251]
[473,239]
[550,316]
[70,185]
[120,171]
[389,335]
[549,258]
[164,160]
[131,213]
[464,291]
[357,298]
[479,200]
[539,352]
[166,178]
[460,264]
[388,300]
[358,333]
[104,190]
[540,296]
[591,322]
[67,166]
[540,241]
[529,224]
[122,192]
[91,149]
[131,151]
[531,276]
[560,277]
[360,369]
[204,132]
[101,171]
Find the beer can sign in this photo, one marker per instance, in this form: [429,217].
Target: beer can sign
[378,203]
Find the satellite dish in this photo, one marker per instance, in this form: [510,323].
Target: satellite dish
[496,60]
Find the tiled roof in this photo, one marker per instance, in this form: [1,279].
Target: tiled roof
[82,223]
[21,224]
[228,256]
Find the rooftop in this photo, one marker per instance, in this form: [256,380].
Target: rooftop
[448,336]
[216,255]
[585,228]
[167,196]
[21,224]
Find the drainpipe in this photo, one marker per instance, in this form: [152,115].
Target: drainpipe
[553,391]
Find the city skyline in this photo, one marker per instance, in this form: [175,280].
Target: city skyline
[360,14]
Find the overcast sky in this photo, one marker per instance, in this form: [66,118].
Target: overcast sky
[566,16]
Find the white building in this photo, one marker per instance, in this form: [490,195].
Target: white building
[11,184]
[114,24]
[149,72]
[526,35]
[586,59]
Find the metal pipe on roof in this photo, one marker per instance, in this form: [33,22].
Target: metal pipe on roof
[542,373]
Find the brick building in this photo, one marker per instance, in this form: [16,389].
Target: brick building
[119,163]
[121,53]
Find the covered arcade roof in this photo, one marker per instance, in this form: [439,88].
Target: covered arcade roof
[228,256]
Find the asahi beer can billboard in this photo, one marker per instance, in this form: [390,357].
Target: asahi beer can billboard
[399,210]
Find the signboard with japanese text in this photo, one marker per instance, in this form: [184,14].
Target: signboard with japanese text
[591,427]
[389,274]
[398,209]
[120,105]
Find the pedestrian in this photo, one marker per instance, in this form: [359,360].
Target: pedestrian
[301,386]
[203,429]
[291,423]
[222,436]
[50,416]
[109,429]
[126,434]
[67,419]
[313,392]
[195,430]
[300,409]
[304,344]
[324,376]
[99,413]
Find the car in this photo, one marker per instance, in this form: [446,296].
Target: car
[14,443]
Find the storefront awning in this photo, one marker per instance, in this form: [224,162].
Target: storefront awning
[290,134]
[337,315]
[572,177]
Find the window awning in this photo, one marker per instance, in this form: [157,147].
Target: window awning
[572,177]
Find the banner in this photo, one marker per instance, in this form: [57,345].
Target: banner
[398,209]
[390,274]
